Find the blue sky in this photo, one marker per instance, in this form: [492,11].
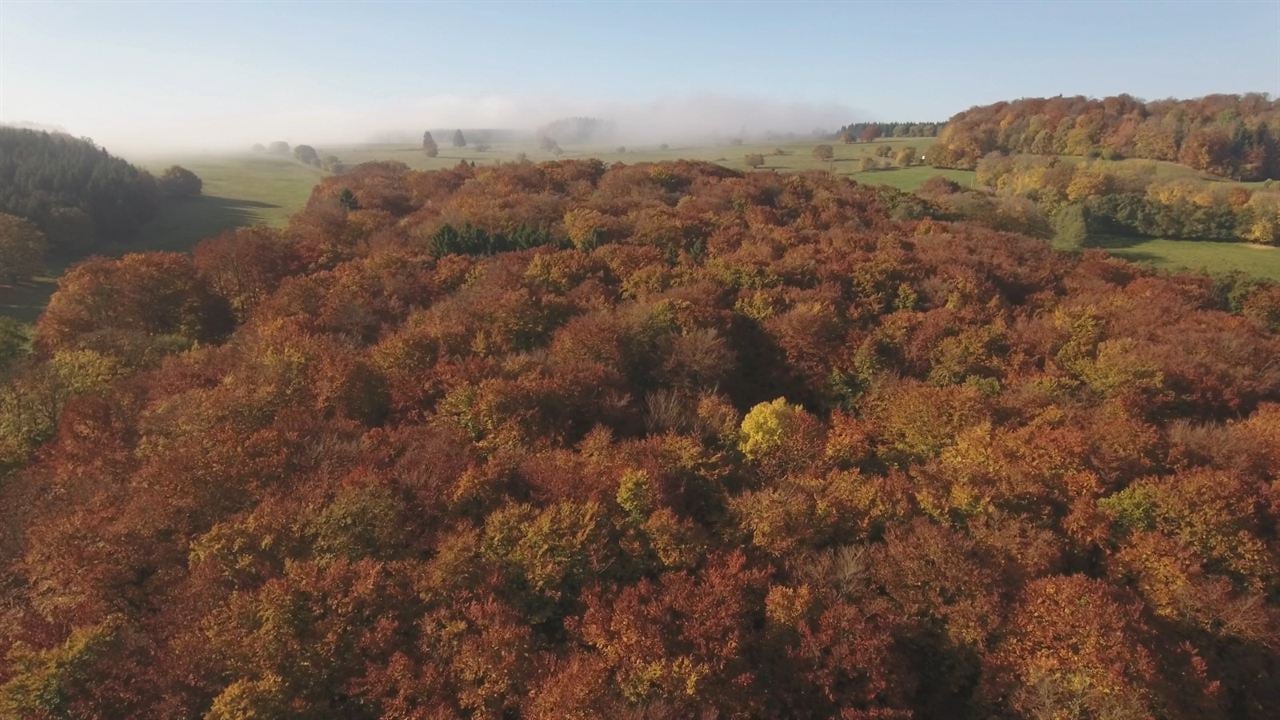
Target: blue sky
[213,73]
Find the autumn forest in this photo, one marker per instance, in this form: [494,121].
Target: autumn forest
[656,440]
[640,360]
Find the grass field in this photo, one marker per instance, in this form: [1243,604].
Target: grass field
[797,156]
[238,190]
[1211,257]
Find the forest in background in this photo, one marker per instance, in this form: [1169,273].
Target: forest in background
[1233,136]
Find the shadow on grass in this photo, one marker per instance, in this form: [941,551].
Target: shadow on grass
[181,225]
[1110,242]
[235,202]
[1114,242]
[25,301]
[1135,255]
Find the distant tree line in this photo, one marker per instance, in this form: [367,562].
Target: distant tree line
[77,195]
[305,154]
[68,197]
[576,130]
[1078,202]
[1236,136]
[868,131]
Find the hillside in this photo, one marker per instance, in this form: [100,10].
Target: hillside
[1235,136]
[662,440]
[78,194]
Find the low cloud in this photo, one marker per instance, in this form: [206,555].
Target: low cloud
[673,120]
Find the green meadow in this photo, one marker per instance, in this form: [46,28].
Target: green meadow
[1199,255]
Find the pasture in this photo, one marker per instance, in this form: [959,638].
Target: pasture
[248,189]
[782,156]
[1198,255]
[792,156]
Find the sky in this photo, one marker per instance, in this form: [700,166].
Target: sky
[144,76]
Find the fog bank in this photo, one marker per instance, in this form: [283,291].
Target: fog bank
[674,120]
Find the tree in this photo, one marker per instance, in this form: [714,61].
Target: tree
[307,155]
[179,182]
[1071,227]
[13,342]
[778,434]
[154,294]
[869,133]
[824,153]
[905,157]
[429,145]
[1262,218]
[458,139]
[22,249]
[1071,646]
[246,265]
[867,163]
[754,160]
[279,147]
[549,144]
[70,231]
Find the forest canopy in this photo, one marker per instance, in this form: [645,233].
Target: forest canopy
[1235,136]
[649,441]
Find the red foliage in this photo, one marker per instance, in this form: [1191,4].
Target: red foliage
[710,445]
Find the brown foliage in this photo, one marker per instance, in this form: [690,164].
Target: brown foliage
[691,443]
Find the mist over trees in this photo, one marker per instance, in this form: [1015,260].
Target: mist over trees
[868,131]
[578,130]
[429,145]
[661,440]
[77,194]
[459,140]
[306,155]
[1236,136]
[548,144]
